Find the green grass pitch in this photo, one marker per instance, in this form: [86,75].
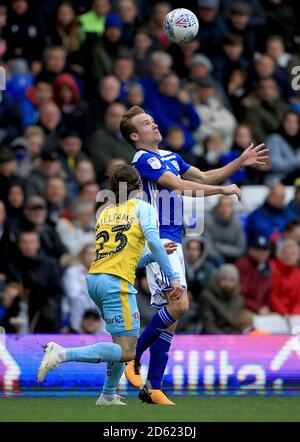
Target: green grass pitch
[187,409]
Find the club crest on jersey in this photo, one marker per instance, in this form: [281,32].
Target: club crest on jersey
[154,163]
[136,316]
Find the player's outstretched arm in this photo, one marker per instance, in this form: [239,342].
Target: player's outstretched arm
[173,182]
[145,260]
[252,156]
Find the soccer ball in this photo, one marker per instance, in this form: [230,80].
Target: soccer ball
[181,25]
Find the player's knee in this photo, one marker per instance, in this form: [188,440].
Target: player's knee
[182,307]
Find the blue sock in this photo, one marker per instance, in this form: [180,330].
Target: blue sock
[100,352]
[113,375]
[159,355]
[160,321]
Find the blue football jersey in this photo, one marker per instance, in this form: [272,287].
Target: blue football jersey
[168,203]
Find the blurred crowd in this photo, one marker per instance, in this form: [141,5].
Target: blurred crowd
[72,68]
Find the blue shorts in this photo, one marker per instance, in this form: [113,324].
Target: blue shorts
[116,300]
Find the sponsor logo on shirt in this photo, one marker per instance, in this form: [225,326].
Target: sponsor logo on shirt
[115,320]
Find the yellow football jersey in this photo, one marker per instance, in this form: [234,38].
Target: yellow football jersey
[119,241]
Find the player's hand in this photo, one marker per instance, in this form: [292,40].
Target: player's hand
[170,247]
[254,156]
[233,189]
[177,290]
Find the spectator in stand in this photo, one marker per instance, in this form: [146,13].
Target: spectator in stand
[175,141]
[212,27]
[295,58]
[3,21]
[14,308]
[281,19]
[211,156]
[257,12]
[285,294]
[223,232]
[222,301]
[25,33]
[108,143]
[242,139]
[173,107]
[79,232]
[65,29]
[160,65]
[49,166]
[36,138]
[93,21]
[182,57]
[237,91]
[109,92]
[143,47]
[74,110]
[92,324]
[89,191]
[284,148]
[201,67]
[50,122]
[265,110]
[55,59]
[156,24]
[15,205]
[270,218]
[35,96]
[229,59]
[55,193]
[20,149]
[4,243]
[294,204]
[255,276]
[8,167]
[135,96]
[124,71]
[18,78]
[70,152]
[10,119]
[292,231]
[238,23]
[106,49]
[112,164]
[84,172]
[40,276]
[266,67]
[34,219]
[130,16]
[215,118]
[275,49]
[76,300]
[199,268]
